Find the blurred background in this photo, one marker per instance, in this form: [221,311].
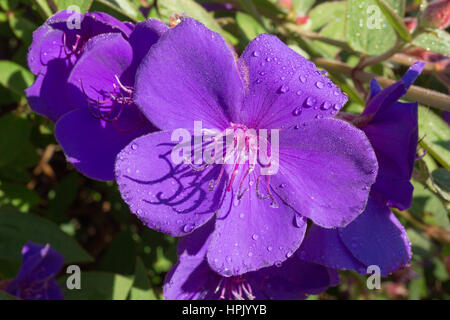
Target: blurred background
[44,199]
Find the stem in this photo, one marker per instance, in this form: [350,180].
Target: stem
[440,234]
[423,96]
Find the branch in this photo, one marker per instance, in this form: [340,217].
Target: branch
[423,96]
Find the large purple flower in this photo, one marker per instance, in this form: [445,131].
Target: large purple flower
[193,279]
[326,166]
[85,84]
[36,277]
[376,237]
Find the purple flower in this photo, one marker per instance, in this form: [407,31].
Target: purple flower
[326,166]
[55,50]
[36,277]
[86,86]
[376,237]
[193,279]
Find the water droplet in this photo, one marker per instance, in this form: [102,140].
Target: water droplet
[310,102]
[228,258]
[326,105]
[284,88]
[255,236]
[268,59]
[255,53]
[250,254]
[262,73]
[188,227]
[297,111]
[289,254]
[278,264]
[242,216]
[302,79]
[336,107]
[299,92]
[283,185]
[296,127]
[134,146]
[269,248]
[319,84]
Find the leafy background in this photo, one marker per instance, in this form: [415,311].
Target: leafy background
[43,199]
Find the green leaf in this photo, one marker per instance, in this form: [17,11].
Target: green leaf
[395,20]
[84,5]
[65,194]
[435,134]
[17,228]
[141,289]
[427,207]
[7,296]
[120,255]
[302,6]
[327,12]
[334,30]
[442,177]
[22,28]
[118,9]
[15,77]
[434,40]
[99,286]
[249,26]
[14,135]
[190,8]
[17,195]
[367,28]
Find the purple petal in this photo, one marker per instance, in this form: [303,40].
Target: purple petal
[150,30]
[191,279]
[47,95]
[92,145]
[247,236]
[326,170]
[376,237]
[375,88]
[413,72]
[325,247]
[398,125]
[283,88]
[191,75]
[35,279]
[105,57]
[171,198]
[47,45]
[293,279]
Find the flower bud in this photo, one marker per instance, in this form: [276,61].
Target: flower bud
[436,15]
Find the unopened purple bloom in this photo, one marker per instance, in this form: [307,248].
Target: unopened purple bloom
[376,237]
[36,277]
[87,87]
[326,166]
[193,279]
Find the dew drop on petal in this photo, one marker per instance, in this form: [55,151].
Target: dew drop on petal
[256,53]
[134,146]
[297,111]
[302,79]
[326,105]
[319,84]
[255,236]
[284,88]
[188,227]
[310,102]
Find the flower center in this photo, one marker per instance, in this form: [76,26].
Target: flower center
[234,288]
[109,110]
[244,150]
